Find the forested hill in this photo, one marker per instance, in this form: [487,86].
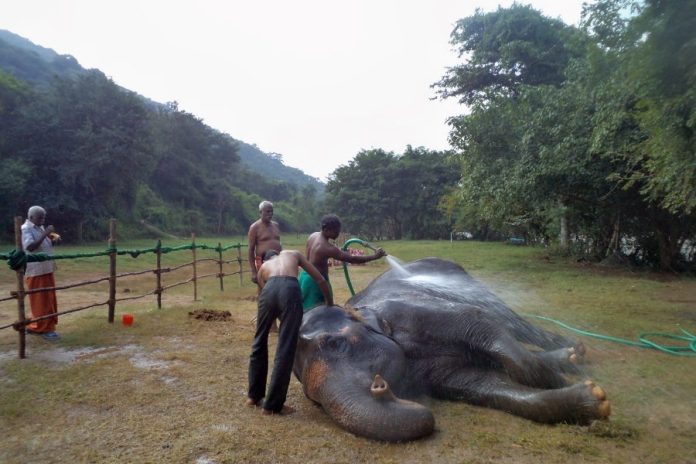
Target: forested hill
[110,152]
[33,63]
[271,165]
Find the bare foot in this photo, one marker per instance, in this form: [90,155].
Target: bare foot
[251,403]
[285,411]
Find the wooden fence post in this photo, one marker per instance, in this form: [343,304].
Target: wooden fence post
[112,269]
[222,288]
[159,274]
[20,291]
[241,269]
[195,273]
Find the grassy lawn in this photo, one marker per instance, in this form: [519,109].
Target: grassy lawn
[170,388]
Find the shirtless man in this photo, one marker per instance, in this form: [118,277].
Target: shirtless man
[264,235]
[319,250]
[280,298]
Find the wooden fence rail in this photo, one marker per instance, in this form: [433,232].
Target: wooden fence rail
[112,278]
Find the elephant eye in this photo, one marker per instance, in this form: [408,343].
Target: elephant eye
[335,344]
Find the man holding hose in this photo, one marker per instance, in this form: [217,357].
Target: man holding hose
[319,250]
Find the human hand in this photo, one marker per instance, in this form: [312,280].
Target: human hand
[380,252]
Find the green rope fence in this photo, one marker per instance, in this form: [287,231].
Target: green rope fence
[17,259]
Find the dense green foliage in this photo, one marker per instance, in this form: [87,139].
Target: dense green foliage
[380,195]
[585,136]
[88,150]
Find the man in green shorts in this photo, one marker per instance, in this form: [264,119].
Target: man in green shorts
[319,250]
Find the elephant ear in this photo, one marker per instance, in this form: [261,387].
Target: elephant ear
[370,319]
[370,410]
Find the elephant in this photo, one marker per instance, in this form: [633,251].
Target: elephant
[429,329]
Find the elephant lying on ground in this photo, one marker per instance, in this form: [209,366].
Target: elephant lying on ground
[431,329]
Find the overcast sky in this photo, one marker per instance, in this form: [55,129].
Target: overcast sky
[314,80]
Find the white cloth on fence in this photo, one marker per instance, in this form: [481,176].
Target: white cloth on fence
[30,233]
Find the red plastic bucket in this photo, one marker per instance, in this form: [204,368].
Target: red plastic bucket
[127,319]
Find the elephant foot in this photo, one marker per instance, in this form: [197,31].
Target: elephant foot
[580,350]
[580,403]
[604,407]
[564,359]
[592,403]
[566,356]
[574,356]
[380,389]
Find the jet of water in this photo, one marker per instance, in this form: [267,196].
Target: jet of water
[397,266]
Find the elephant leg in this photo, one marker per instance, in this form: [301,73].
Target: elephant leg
[580,403]
[524,366]
[475,336]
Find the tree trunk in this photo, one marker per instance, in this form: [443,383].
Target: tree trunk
[564,235]
[667,241]
[613,246]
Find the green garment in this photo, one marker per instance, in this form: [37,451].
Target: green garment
[311,293]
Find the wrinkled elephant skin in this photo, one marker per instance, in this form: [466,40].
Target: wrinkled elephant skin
[431,329]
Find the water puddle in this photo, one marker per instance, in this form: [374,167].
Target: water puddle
[60,356]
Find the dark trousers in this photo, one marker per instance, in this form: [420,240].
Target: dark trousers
[280,298]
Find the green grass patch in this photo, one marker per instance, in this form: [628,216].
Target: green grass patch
[170,388]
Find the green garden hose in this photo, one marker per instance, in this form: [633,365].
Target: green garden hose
[345,265]
[643,341]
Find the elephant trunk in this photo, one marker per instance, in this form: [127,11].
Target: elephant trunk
[375,412]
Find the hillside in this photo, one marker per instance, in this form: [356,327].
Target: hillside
[37,65]
[111,153]
[270,166]
[33,63]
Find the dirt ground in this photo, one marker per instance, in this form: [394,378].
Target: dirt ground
[170,388]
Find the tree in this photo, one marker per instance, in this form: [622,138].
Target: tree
[14,94]
[506,50]
[381,195]
[651,91]
[91,139]
[569,144]
[665,63]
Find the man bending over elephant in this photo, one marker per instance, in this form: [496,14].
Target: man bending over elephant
[319,250]
[280,298]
